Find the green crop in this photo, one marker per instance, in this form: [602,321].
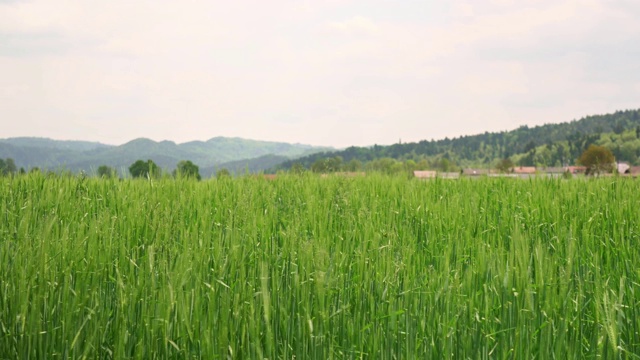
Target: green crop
[319,268]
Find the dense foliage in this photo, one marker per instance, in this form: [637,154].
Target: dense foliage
[105,171]
[597,159]
[547,145]
[7,167]
[142,168]
[318,268]
[186,168]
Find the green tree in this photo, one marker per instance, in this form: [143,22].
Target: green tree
[297,168]
[7,167]
[444,164]
[187,169]
[334,164]
[409,166]
[319,166]
[106,172]
[505,165]
[11,166]
[354,165]
[143,168]
[223,173]
[597,159]
[384,165]
[423,164]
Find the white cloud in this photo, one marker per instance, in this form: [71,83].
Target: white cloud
[463,10]
[355,25]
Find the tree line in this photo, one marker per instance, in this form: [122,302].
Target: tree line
[596,159]
[548,145]
[149,169]
[139,169]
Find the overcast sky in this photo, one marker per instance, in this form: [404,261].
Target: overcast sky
[332,72]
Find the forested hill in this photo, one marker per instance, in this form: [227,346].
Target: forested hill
[546,145]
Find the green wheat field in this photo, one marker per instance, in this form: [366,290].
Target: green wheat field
[304,267]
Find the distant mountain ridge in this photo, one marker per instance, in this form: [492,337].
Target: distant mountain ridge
[30,152]
[548,145]
[54,144]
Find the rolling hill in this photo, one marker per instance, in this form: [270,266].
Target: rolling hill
[545,145]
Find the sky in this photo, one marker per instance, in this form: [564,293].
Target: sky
[322,72]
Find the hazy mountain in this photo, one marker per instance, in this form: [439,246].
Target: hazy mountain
[71,145]
[87,156]
[239,167]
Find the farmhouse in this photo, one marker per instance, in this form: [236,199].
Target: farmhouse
[555,172]
[477,172]
[633,171]
[449,175]
[576,169]
[424,174]
[622,167]
[344,174]
[525,172]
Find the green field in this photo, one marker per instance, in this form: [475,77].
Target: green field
[311,268]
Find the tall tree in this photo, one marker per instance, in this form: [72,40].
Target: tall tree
[11,166]
[334,163]
[143,168]
[597,159]
[223,173]
[297,168]
[106,172]
[505,165]
[7,167]
[186,168]
[319,166]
